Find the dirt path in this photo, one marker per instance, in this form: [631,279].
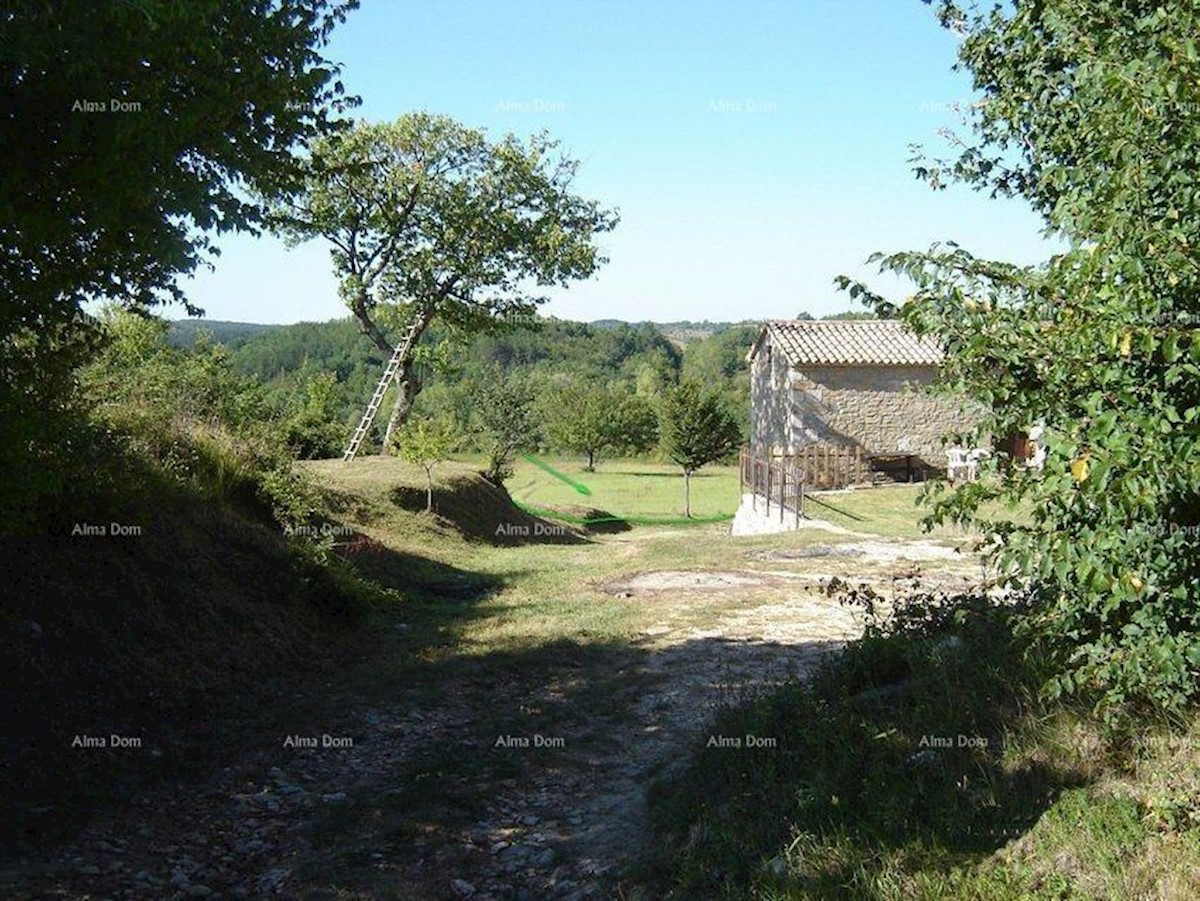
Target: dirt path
[520,778]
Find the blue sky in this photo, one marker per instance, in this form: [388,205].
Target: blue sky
[754,151]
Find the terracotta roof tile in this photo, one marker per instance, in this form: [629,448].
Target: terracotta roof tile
[849,342]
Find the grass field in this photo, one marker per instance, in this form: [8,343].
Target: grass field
[654,491]
[627,488]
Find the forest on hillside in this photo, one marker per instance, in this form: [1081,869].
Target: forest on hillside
[332,367]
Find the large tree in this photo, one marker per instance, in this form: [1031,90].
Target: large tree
[429,219]
[131,131]
[1087,111]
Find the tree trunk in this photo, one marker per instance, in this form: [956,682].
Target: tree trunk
[406,381]
[687,494]
[591,467]
[428,489]
[407,389]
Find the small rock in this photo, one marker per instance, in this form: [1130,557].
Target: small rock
[776,866]
[530,820]
[545,859]
[462,888]
[498,847]
[178,877]
[196,890]
[145,832]
[90,870]
[334,798]
[273,878]
[514,858]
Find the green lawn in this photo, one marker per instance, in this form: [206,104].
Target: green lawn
[626,488]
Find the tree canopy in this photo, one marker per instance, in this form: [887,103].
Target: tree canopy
[429,219]
[697,429]
[132,131]
[1088,111]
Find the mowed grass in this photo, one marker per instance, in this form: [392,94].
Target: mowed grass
[626,488]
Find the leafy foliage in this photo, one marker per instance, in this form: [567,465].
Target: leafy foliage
[312,430]
[115,200]
[697,430]
[430,220]
[426,442]
[592,419]
[506,420]
[108,202]
[1088,112]
[200,423]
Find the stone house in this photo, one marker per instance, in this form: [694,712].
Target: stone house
[850,383]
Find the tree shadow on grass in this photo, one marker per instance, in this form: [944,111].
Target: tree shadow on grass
[202,626]
[481,511]
[901,764]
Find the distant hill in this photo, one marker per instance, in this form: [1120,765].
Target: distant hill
[684,332]
[183,332]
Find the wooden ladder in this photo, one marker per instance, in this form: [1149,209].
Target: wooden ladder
[364,425]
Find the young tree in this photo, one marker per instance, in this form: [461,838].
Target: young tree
[506,421]
[579,419]
[635,424]
[1088,112]
[425,442]
[696,430]
[428,219]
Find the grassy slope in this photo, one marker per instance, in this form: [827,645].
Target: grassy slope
[204,615]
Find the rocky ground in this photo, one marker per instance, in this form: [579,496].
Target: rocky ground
[431,799]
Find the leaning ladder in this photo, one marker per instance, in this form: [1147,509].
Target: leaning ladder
[364,425]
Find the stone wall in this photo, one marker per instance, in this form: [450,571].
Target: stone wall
[881,408]
[771,418]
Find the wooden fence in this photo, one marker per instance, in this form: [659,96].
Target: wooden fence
[827,466]
[773,482]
